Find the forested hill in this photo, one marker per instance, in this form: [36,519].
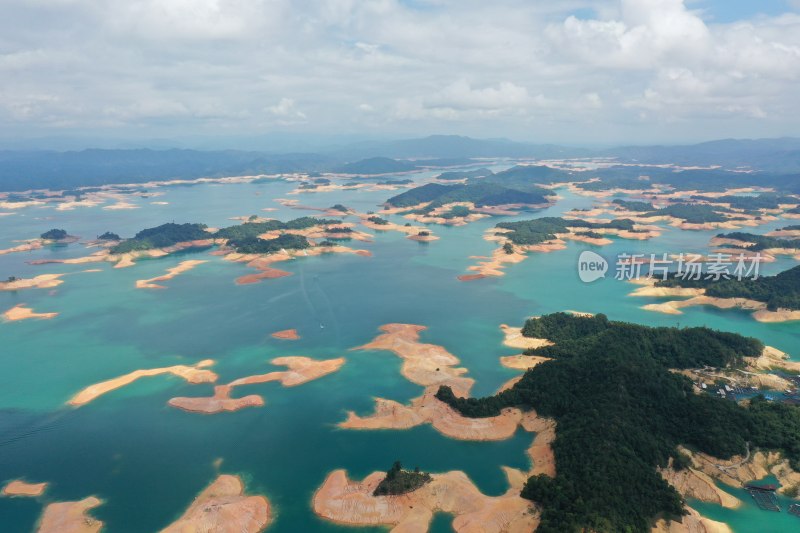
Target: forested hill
[621,413]
[20,171]
[781,291]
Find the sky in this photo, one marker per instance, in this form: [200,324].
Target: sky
[596,72]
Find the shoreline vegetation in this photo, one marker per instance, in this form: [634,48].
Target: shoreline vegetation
[770,298]
[609,387]
[545,235]
[399,481]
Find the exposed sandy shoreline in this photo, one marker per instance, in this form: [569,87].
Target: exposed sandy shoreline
[760,312]
[192,374]
[22,488]
[70,517]
[223,507]
[20,312]
[691,523]
[183,266]
[42,281]
[286,334]
[300,370]
[341,500]
[263,263]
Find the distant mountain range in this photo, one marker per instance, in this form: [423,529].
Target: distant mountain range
[22,169]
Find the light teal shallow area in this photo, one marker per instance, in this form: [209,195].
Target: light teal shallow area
[147,461]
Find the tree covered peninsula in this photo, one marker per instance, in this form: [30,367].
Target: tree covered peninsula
[781,291]
[621,414]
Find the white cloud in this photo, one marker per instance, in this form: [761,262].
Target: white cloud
[510,67]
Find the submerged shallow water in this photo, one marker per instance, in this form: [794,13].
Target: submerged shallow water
[147,461]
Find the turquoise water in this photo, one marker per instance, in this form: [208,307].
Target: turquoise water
[147,461]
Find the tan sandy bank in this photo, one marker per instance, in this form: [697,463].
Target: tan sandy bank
[693,522]
[220,402]
[522,361]
[740,470]
[427,409]
[300,370]
[412,232]
[760,311]
[34,244]
[286,334]
[500,258]
[42,281]
[192,374]
[223,507]
[773,358]
[513,338]
[432,366]
[350,502]
[423,364]
[647,288]
[129,259]
[70,517]
[692,483]
[183,266]
[20,312]
[263,263]
[22,488]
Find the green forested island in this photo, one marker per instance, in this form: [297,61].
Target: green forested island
[781,291]
[399,481]
[634,206]
[544,229]
[761,242]
[254,229]
[54,234]
[162,236]
[480,193]
[376,165]
[621,413]
[691,213]
[256,245]
[108,236]
[751,203]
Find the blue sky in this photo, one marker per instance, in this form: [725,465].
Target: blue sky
[574,71]
[733,10]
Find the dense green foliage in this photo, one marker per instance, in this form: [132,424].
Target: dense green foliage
[525,176]
[544,229]
[341,208]
[707,180]
[108,236]
[751,203]
[376,165]
[54,234]
[781,291]
[255,245]
[457,211]
[621,413]
[761,242]
[634,206]
[162,236]
[339,229]
[254,229]
[672,347]
[691,213]
[399,481]
[378,220]
[481,194]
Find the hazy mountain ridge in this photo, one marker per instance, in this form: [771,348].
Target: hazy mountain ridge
[22,169]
